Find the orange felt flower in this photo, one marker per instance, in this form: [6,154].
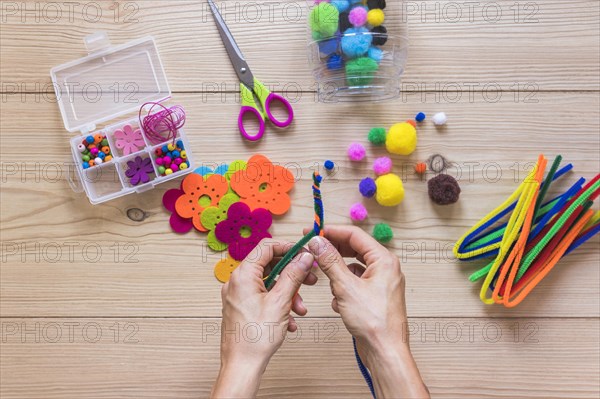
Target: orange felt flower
[200,193]
[264,185]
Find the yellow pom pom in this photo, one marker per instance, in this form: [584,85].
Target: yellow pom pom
[375,17]
[390,191]
[401,139]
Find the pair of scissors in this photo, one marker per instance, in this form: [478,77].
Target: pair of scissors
[250,86]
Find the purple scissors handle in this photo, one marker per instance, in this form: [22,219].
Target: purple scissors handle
[290,112]
[261,120]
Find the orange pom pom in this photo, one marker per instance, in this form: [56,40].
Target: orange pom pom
[412,122]
[421,167]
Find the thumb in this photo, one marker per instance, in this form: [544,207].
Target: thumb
[292,277]
[329,260]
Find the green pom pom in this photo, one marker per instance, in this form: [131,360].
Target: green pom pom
[377,136]
[324,19]
[361,71]
[383,232]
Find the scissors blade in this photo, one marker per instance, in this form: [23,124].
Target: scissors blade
[235,54]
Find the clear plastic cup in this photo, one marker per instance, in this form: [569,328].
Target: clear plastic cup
[350,83]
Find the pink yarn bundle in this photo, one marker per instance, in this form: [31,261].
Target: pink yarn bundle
[163,125]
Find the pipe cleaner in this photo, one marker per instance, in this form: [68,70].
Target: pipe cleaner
[536,236]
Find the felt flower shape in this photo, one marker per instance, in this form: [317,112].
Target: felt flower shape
[139,170]
[243,229]
[129,140]
[213,215]
[224,268]
[200,192]
[264,185]
[178,223]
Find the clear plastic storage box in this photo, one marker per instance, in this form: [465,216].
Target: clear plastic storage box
[110,82]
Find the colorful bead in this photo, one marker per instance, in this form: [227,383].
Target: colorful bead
[168,171]
[106,150]
[174,167]
[178,161]
[183,154]
[101,155]
[91,162]
[94,151]
[98,161]
[98,138]
[81,148]
[184,165]
[170,147]
[161,170]
[108,158]
[89,139]
[175,154]
[167,160]
[180,144]
[85,158]
[165,149]
[160,161]
[86,165]
[104,142]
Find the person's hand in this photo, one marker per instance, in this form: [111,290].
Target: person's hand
[255,321]
[370,300]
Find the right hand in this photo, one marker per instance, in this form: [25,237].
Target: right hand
[370,299]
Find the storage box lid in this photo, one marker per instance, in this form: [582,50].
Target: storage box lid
[111,81]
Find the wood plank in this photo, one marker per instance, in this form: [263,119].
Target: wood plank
[65,257]
[179,358]
[454,46]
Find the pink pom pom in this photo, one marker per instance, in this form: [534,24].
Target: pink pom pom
[382,166]
[358,212]
[356,152]
[358,16]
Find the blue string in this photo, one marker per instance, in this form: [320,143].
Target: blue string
[592,232]
[363,370]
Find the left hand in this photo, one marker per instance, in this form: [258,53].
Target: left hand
[255,321]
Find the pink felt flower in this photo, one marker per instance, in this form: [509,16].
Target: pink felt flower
[243,229]
[129,140]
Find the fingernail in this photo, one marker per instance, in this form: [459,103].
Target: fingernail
[306,261]
[316,245]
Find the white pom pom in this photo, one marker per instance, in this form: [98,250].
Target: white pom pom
[440,119]
[98,161]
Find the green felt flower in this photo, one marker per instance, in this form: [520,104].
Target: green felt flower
[214,215]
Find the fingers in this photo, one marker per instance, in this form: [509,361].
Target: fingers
[261,256]
[355,242]
[298,305]
[334,305]
[356,269]
[292,277]
[292,325]
[329,260]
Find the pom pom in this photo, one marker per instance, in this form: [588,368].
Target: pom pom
[376,54]
[367,187]
[372,4]
[390,190]
[361,71]
[335,62]
[401,139]
[341,5]
[356,42]
[443,189]
[380,36]
[358,16]
[440,119]
[329,165]
[355,1]
[356,152]
[382,166]
[412,123]
[383,233]
[421,168]
[375,17]
[324,19]
[420,117]
[377,136]
[358,212]
[345,21]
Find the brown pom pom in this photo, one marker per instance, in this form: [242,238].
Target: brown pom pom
[443,189]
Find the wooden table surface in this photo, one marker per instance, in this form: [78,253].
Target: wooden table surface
[105,301]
